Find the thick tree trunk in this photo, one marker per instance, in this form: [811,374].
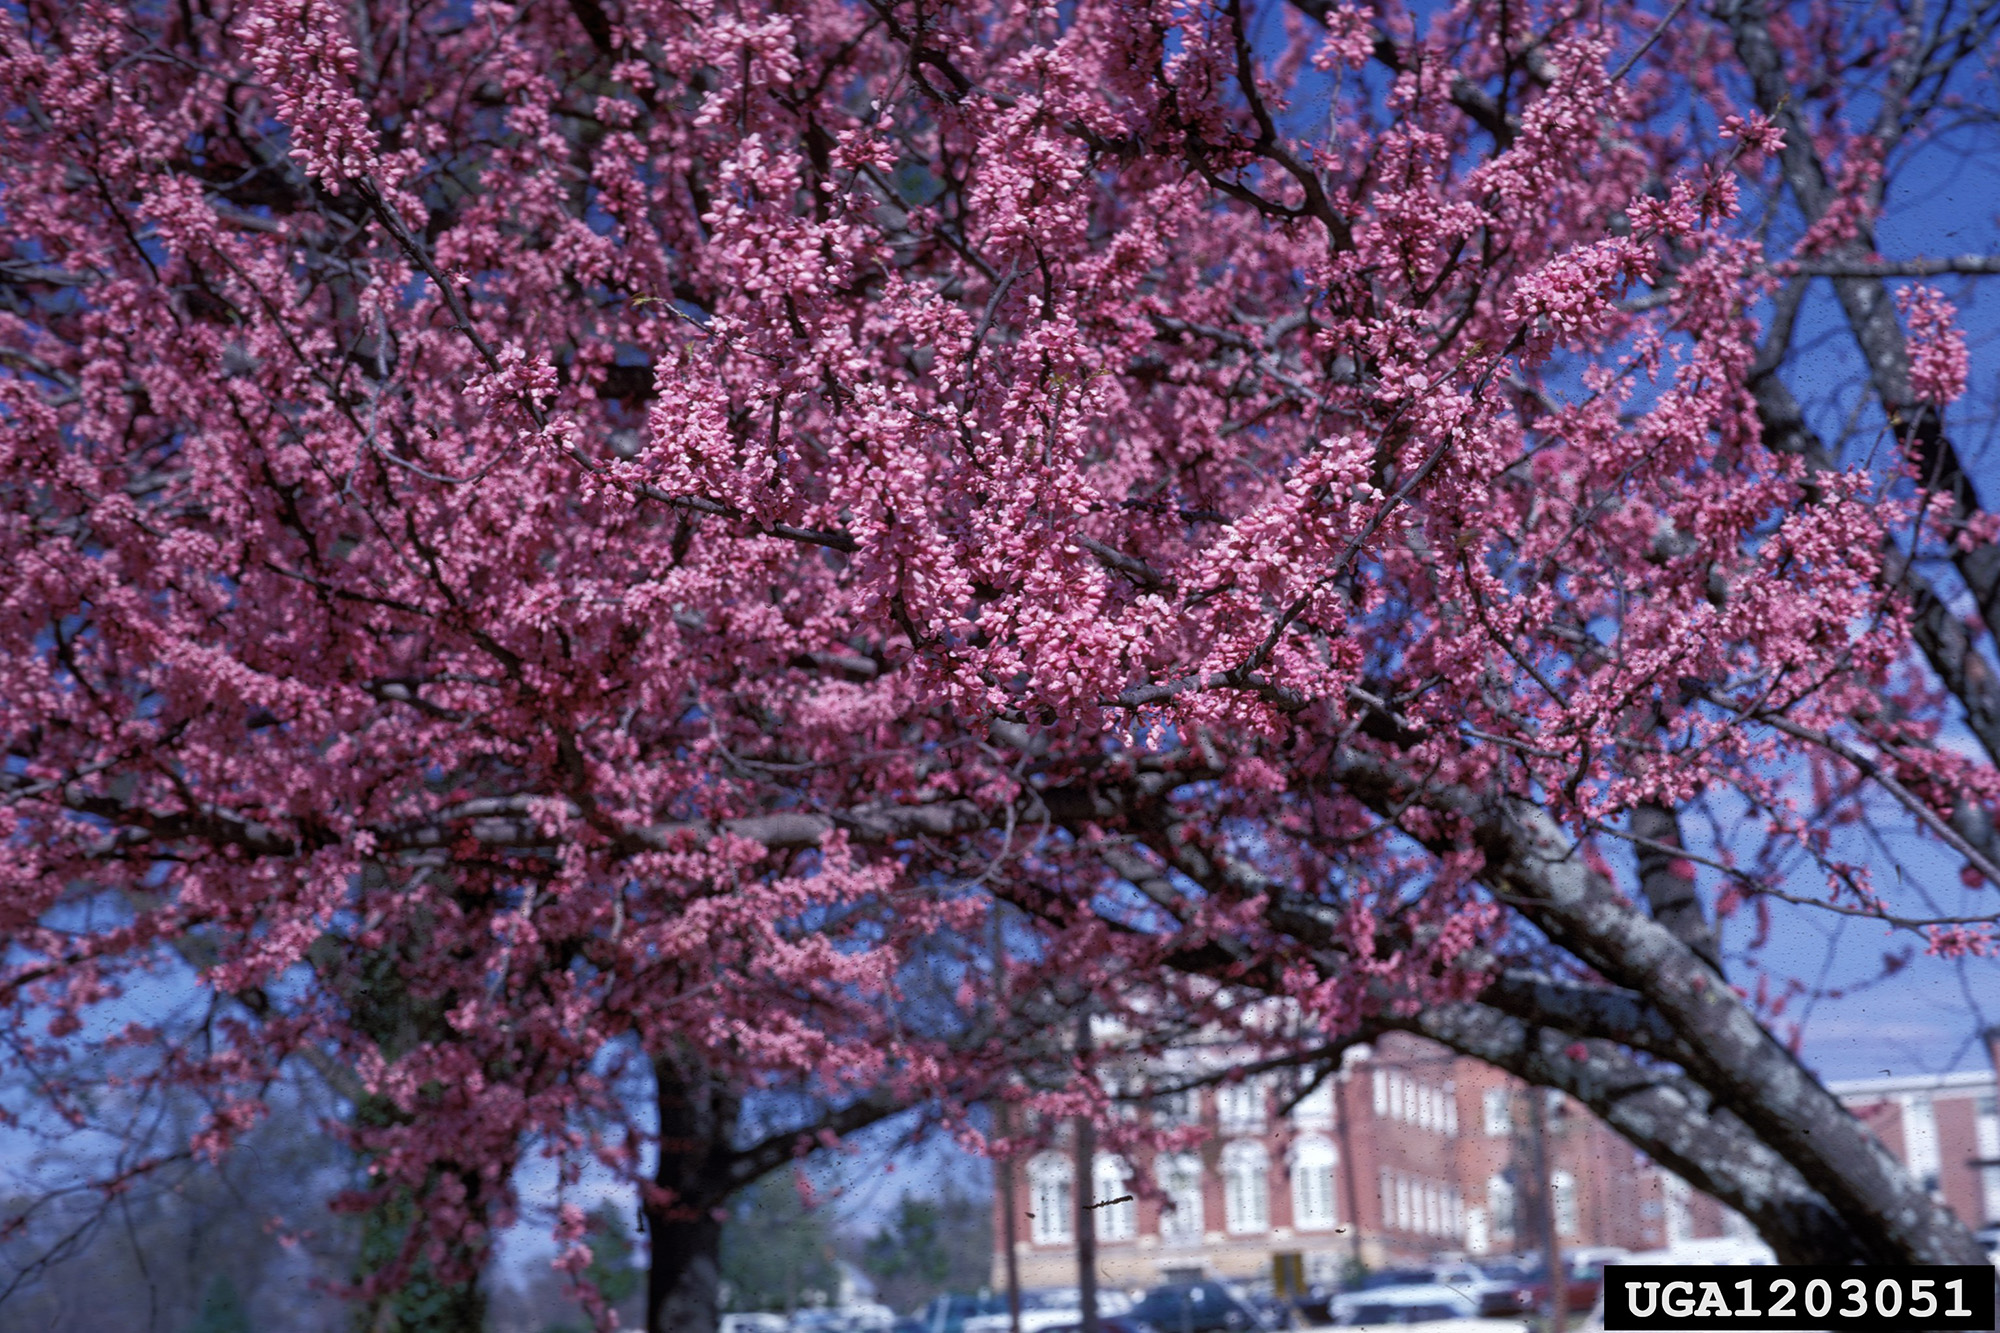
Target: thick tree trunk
[684,1279]
[697,1128]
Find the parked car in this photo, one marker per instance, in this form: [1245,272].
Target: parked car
[1989,1236]
[752,1323]
[1051,1308]
[1583,1281]
[1199,1307]
[1462,1325]
[1393,1277]
[844,1319]
[1725,1250]
[1114,1323]
[1505,1290]
[947,1313]
[1415,1303]
[1391,1280]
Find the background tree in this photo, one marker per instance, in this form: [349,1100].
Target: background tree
[777,1252]
[931,1246]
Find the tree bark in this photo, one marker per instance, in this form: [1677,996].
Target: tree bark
[1667,880]
[1086,1190]
[1530,858]
[698,1117]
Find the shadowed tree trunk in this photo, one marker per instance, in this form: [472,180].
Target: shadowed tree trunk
[698,1118]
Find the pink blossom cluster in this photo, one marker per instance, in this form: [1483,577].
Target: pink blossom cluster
[302,52]
[1939,361]
[1005,470]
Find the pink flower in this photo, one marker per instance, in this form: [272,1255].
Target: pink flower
[1939,361]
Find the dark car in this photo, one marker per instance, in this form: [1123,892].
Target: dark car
[1197,1307]
[948,1313]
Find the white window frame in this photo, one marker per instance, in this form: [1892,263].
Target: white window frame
[1052,1199]
[1111,1178]
[1315,1204]
[1562,1189]
[1180,1179]
[1246,1188]
[1239,1107]
[1315,1109]
[1172,1110]
[1502,1205]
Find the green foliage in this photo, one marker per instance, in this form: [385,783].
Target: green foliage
[611,1270]
[221,1309]
[931,1247]
[776,1252]
[423,1304]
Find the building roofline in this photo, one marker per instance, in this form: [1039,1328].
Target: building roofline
[1964,1080]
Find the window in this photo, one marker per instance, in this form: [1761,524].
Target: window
[1313,1161]
[1381,1092]
[1315,1109]
[1500,1205]
[1987,1130]
[1451,1109]
[1240,1106]
[1123,1091]
[1498,1114]
[1050,1199]
[1246,1190]
[1674,1202]
[1405,1214]
[1478,1236]
[1563,1186]
[1110,1179]
[1179,1176]
[1920,1139]
[1172,1109]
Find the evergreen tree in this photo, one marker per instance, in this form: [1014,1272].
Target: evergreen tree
[221,1309]
[777,1254]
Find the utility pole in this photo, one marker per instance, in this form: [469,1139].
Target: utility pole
[1538,1131]
[1003,1124]
[1342,1132]
[1008,1214]
[1086,1189]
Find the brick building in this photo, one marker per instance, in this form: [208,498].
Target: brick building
[1411,1152]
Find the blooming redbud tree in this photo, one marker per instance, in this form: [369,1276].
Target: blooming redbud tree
[549,534]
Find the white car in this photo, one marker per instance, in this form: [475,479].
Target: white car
[1414,1304]
[1723,1250]
[753,1323]
[1059,1308]
[844,1319]
[1461,1326]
